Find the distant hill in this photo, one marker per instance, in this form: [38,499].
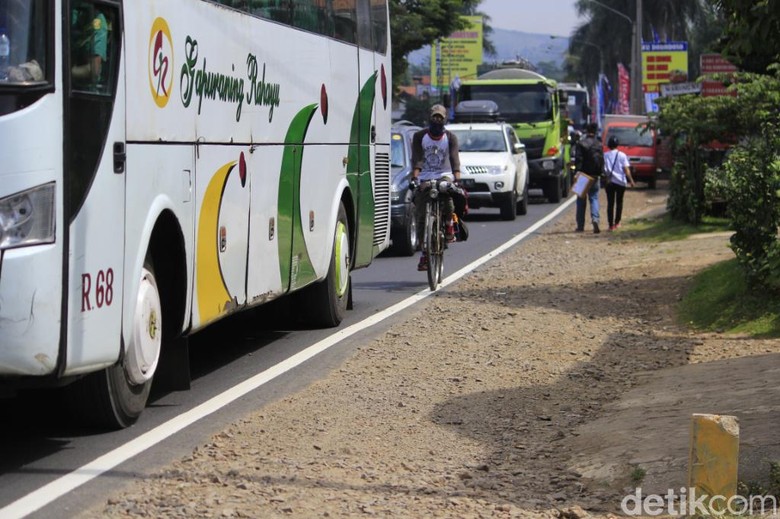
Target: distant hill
[536,48]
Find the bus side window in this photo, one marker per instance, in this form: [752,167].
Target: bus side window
[241,5]
[276,10]
[379,25]
[345,21]
[91,48]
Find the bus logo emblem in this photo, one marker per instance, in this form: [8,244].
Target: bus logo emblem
[160,62]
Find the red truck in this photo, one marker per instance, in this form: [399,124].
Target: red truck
[638,142]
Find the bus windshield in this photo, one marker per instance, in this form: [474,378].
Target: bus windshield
[23,50]
[576,104]
[516,103]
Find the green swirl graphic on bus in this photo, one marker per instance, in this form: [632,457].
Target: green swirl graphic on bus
[160,62]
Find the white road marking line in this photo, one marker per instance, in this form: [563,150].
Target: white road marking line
[59,487]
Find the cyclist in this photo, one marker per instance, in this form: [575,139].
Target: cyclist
[435,155]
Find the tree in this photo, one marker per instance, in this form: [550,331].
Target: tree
[672,20]
[417,23]
[751,32]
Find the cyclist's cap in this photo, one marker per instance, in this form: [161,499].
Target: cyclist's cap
[438,110]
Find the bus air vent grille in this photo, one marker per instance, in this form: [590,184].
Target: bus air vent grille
[381,198]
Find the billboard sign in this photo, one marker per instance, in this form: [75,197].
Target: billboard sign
[663,62]
[458,55]
[715,64]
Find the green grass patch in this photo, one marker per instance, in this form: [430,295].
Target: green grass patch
[637,474]
[667,229]
[720,300]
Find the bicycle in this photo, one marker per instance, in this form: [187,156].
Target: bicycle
[434,242]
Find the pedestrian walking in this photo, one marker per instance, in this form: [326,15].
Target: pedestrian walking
[618,173]
[589,158]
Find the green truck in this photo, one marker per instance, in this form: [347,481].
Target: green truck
[536,108]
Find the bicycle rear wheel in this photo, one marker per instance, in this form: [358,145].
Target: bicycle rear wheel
[434,243]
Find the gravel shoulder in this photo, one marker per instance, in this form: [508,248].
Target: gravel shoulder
[547,376]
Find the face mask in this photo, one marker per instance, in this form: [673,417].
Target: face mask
[435,128]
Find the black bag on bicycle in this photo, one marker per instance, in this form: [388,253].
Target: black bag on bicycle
[461,231]
[460,197]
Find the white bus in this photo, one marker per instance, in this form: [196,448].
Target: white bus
[166,163]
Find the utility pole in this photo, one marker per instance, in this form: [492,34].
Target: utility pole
[639,106]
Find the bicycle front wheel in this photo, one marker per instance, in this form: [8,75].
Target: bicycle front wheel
[434,243]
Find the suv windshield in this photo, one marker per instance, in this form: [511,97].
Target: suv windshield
[480,140]
[516,103]
[24,43]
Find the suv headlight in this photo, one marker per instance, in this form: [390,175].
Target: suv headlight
[27,218]
[496,170]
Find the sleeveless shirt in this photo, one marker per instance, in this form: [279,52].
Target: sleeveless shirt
[437,158]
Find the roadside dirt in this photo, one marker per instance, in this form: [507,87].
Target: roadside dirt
[539,386]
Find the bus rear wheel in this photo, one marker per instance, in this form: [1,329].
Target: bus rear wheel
[115,397]
[324,304]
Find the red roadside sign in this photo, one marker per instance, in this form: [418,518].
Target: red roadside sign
[715,64]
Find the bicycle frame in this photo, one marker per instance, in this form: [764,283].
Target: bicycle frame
[434,242]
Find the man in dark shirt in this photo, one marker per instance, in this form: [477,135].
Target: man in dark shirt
[589,160]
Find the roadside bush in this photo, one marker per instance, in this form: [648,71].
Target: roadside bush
[749,180]
[752,188]
[694,122]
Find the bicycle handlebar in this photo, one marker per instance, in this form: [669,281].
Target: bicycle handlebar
[441,186]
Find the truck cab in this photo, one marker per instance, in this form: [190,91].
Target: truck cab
[532,104]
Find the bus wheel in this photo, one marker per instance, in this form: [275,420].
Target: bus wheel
[324,304]
[115,397]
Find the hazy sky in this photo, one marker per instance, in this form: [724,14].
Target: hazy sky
[557,17]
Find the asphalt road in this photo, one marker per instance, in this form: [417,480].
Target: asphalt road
[42,454]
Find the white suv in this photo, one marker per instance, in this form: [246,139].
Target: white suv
[494,167]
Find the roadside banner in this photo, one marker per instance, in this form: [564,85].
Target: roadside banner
[624,90]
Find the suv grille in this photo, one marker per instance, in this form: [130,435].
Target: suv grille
[476,170]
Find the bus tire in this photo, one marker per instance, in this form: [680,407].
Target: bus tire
[324,304]
[115,397]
